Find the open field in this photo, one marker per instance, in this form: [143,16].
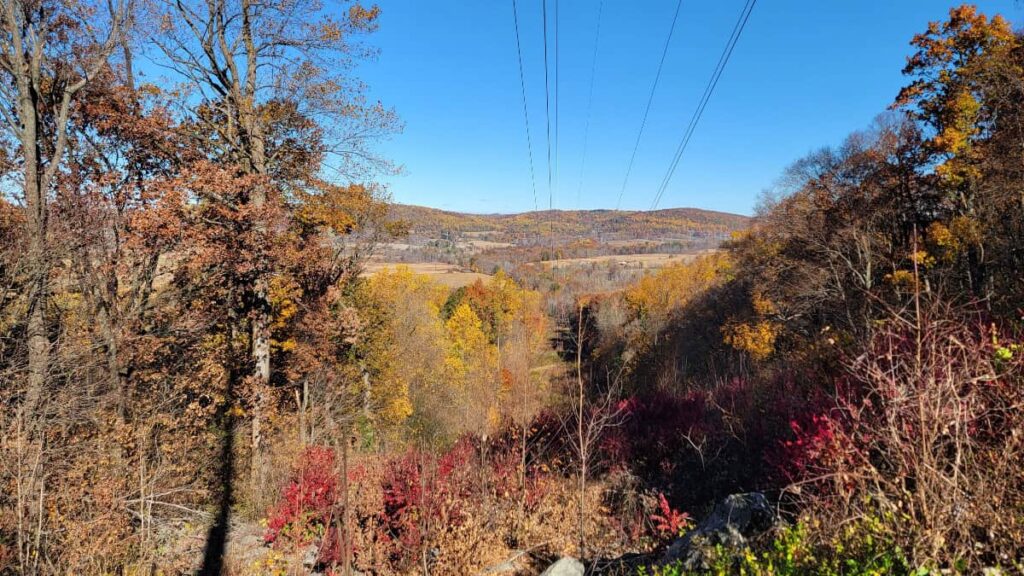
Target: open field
[656,260]
[447,274]
[478,245]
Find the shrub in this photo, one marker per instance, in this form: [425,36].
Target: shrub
[701,445]
[865,549]
[423,493]
[820,444]
[668,522]
[927,439]
[303,515]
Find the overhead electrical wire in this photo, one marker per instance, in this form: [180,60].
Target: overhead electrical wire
[557,93]
[737,30]
[650,99]
[547,97]
[526,110]
[590,102]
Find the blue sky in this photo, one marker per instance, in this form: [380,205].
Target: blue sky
[805,74]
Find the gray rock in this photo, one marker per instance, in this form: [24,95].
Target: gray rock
[309,556]
[567,566]
[732,523]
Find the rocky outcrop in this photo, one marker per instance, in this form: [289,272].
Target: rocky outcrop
[566,566]
[731,525]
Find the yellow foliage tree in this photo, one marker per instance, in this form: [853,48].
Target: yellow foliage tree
[670,289]
[403,356]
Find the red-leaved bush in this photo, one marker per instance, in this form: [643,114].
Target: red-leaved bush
[700,445]
[927,436]
[819,444]
[304,513]
[668,522]
[514,474]
[423,492]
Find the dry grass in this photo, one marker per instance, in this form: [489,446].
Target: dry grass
[447,274]
[481,245]
[656,260]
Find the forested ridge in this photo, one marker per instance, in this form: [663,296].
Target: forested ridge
[212,362]
[607,224]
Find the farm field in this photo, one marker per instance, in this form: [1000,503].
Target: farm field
[656,260]
[447,274]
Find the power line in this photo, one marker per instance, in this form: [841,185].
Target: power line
[650,99]
[737,30]
[526,111]
[590,101]
[557,92]
[547,97]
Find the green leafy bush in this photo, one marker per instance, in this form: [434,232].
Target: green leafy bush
[863,550]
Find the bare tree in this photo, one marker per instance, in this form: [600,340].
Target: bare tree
[591,414]
[49,51]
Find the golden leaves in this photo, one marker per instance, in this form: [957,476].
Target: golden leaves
[468,346]
[761,304]
[340,209]
[755,338]
[672,287]
[363,18]
[949,67]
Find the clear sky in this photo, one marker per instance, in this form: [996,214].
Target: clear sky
[804,74]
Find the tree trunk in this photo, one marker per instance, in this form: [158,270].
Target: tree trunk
[344,529]
[35,198]
[261,376]
[583,510]
[255,154]
[581,435]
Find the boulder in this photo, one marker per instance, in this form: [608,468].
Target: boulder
[567,566]
[732,524]
[310,556]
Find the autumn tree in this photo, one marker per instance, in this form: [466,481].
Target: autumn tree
[831,242]
[402,354]
[271,96]
[51,51]
[960,72]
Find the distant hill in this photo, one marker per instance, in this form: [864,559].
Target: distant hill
[601,225]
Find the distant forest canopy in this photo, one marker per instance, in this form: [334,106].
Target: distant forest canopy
[488,242]
[597,224]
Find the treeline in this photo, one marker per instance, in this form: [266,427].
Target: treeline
[857,352]
[529,228]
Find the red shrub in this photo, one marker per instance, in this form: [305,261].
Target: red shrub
[505,457]
[668,523]
[925,436]
[654,433]
[423,492]
[306,501]
[819,445]
[698,445]
[305,512]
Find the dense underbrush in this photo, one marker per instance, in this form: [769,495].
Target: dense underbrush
[904,461]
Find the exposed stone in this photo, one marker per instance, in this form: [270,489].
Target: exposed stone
[567,566]
[731,525]
[310,556]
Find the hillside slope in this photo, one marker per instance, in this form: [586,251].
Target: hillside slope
[606,225]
